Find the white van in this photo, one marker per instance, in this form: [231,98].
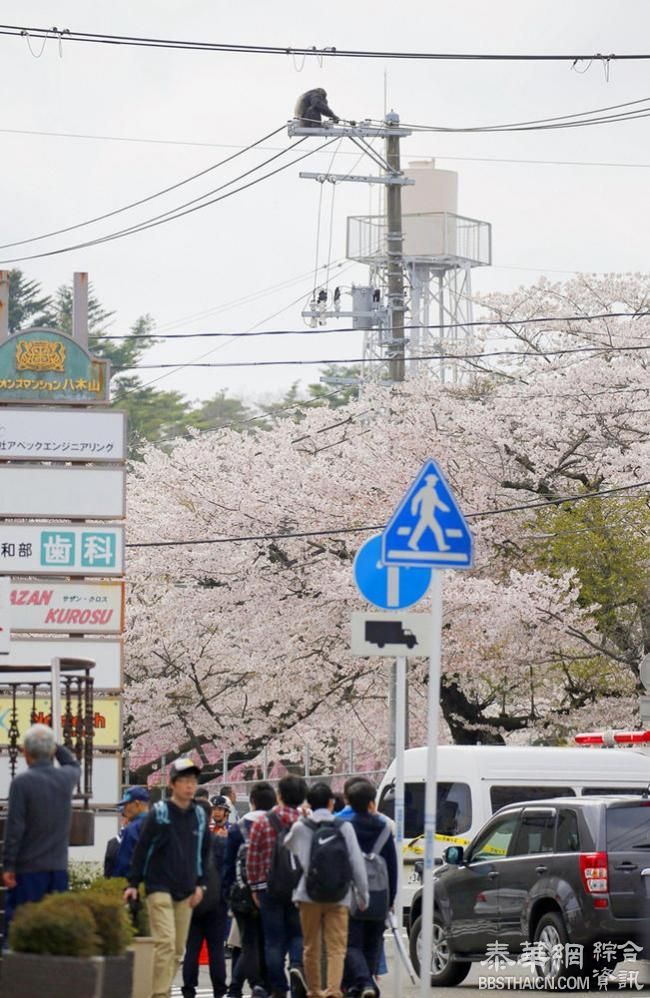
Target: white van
[474,781]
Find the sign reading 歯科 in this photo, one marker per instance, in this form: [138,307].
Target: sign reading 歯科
[52,607]
[43,365]
[61,549]
[62,435]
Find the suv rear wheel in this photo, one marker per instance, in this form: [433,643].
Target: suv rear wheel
[445,972]
[551,939]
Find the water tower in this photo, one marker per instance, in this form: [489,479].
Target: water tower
[440,249]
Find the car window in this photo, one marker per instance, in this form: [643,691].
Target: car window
[628,828]
[536,833]
[501,796]
[567,837]
[495,841]
[607,791]
[453,808]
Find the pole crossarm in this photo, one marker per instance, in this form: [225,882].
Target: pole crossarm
[335,178]
[350,131]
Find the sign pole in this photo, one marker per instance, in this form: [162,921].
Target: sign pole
[400,744]
[56,698]
[431,794]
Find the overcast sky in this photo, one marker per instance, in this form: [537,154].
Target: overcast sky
[153,117]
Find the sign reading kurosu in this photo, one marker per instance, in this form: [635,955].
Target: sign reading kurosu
[107,655]
[93,493]
[86,607]
[61,549]
[106,718]
[43,365]
[62,435]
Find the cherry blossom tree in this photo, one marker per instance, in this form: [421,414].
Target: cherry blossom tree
[240,639]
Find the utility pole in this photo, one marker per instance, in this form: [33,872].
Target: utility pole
[394,238]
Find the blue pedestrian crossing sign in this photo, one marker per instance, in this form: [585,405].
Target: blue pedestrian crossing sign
[388,587]
[428,528]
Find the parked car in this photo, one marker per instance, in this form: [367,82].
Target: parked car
[563,870]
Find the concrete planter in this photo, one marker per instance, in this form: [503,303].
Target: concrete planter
[26,975]
[143,952]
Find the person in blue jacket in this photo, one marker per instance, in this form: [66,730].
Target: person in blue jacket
[135,807]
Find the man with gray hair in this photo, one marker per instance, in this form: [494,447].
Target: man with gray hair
[37,832]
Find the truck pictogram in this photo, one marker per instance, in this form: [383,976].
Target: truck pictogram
[389,632]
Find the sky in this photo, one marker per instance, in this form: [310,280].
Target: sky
[559,201]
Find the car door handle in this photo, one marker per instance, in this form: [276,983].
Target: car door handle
[492,875]
[541,869]
[626,865]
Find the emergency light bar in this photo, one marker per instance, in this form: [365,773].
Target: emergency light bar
[611,738]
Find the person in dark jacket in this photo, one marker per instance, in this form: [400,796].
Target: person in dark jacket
[112,849]
[37,831]
[135,807]
[172,856]
[208,923]
[250,964]
[365,937]
[311,106]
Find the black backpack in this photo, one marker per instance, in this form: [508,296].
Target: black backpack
[240,897]
[285,870]
[329,875]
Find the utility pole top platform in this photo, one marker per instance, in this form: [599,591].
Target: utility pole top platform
[361,130]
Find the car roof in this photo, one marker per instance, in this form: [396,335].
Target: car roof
[591,800]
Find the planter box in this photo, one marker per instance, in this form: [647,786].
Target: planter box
[27,975]
[143,952]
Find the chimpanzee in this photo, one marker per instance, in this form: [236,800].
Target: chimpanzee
[311,105]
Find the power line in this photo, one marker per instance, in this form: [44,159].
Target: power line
[150,197]
[580,317]
[604,494]
[170,216]
[329,52]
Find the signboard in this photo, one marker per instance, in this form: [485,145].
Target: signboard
[391,634]
[106,718]
[61,549]
[83,493]
[428,528]
[107,777]
[107,655]
[62,435]
[43,365]
[87,607]
[5,618]
[390,588]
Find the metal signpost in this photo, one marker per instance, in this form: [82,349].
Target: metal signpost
[5,611]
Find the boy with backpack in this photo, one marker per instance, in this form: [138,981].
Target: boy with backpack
[332,865]
[366,928]
[272,876]
[250,964]
[172,856]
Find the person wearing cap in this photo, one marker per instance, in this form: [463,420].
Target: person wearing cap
[220,814]
[135,806]
[172,857]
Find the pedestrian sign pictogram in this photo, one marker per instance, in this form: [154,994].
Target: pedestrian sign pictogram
[428,528]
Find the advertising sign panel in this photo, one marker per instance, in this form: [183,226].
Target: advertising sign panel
[106,654]
[106,718]
[107,776]
[84,493]
[62,435]
[48,607]
[61,549]
[43,365]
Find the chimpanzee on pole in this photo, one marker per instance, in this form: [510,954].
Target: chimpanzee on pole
[311,106]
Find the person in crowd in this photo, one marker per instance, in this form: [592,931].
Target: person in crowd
[219,814]
[365,936]
[113,847]
[202,793]
[228,791]
[135,807]
[208,922]
[280,920]
[250,964]
[332,865]
[172,856]
[37,830]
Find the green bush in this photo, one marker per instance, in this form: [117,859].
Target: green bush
[115,887]
[58,925]
[112,921]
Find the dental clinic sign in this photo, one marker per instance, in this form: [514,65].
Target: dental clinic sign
[46,366]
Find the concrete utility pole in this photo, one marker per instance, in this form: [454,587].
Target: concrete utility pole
[394,237]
